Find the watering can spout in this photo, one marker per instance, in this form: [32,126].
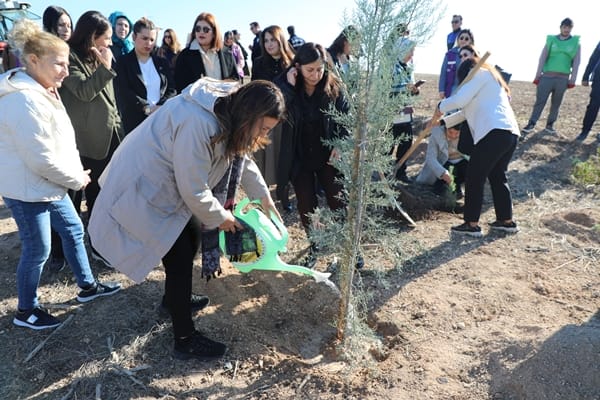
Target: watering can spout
[273,236]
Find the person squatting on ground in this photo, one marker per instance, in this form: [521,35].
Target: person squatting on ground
[556,72]
[485,102]
[591,73]
[310,90]
[184,164]
[444,164]
[38,163]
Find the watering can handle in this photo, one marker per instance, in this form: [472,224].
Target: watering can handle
[273,217]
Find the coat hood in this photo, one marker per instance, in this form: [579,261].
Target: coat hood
[16,80]
[205,91]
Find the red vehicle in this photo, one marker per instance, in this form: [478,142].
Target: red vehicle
[11,11]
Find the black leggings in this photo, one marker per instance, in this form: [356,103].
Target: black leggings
[178,263]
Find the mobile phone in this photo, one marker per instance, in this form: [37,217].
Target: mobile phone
[420,82]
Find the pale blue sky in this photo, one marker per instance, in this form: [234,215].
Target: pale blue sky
[513,31]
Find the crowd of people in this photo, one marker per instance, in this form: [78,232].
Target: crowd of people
[158,138]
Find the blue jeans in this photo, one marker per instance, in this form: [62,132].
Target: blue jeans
[34,220]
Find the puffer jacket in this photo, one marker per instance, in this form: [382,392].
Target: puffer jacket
[39,160]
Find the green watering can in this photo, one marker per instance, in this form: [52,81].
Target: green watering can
[273,237]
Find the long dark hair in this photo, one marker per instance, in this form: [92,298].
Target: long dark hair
[309,53]
[465,68]
[346,36]
[239,113]
[287,54]
[90,25]
[50,19]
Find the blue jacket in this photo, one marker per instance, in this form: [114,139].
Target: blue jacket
[448,81]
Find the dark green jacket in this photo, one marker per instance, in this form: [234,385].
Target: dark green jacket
[89,98]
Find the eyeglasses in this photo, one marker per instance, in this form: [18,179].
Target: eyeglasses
[455,22]
[167,37]
[464,38]
[204,29]
[465,55]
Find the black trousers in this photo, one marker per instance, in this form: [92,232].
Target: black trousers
[405,133]
[591,112]
[306,194]
[489,160]
[459,174]
[178,263]
[97,167]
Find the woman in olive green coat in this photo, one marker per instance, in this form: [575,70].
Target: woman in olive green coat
[89,98]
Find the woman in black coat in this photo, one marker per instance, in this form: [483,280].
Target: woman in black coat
[309,90]
[204,56]
[143,81]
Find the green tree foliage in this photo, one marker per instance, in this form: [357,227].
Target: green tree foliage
[365,160]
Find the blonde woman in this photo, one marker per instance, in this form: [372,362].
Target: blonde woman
[39,162]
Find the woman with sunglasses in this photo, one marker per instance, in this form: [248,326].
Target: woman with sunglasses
[448,82]
[204,56]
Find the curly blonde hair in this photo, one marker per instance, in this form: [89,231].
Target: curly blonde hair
[28,38]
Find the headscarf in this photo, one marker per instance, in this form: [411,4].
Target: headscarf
[126,45]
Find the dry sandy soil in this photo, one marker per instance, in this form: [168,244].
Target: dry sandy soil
[502,317]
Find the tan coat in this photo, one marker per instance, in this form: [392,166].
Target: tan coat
[159,177]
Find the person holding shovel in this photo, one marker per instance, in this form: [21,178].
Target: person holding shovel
[484,97]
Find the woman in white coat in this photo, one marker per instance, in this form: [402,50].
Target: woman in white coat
[39,162]
[485,101]
[173,181]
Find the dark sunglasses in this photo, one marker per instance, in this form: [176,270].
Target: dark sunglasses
[167,37]
[464,38]
[455,22]
[204,29]
[465,55]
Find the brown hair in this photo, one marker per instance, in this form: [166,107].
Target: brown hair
[239,112]
[217,42]
[287,54]
[175,46]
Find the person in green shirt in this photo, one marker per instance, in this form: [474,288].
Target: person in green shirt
[557,71]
